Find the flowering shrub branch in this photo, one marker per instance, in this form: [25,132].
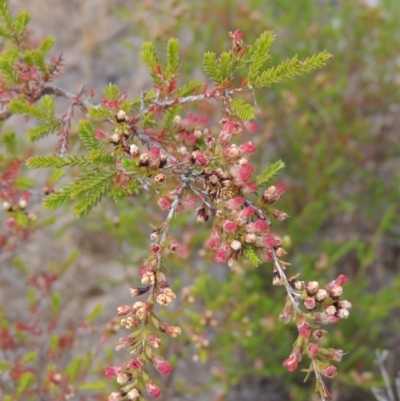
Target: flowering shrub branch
[187,166]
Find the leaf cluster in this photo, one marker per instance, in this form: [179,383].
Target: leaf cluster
[43,111]
[90,187]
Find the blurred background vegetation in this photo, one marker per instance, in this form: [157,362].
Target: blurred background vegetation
[336,129]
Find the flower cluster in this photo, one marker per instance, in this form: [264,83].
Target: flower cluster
[321,305]
[190,166]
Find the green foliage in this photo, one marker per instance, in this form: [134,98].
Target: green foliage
[190,88]
[86,132]
[56,161]
[73,368]
[172,58]
[55,304]
[55,200]
[13,28]
[226,65]
[258,56]
[111,92]
[210,65]
[25,381]
[30,356]
[289,69]
[270,172]
[150,58]
[100,113]
[43,112]
[7,61]
[242,110]
[21,22]
[9,141]
[88,191]
[251,256]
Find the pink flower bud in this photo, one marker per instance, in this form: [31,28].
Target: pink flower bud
[229,226]
[259,227]
[111,371]
[249,188]
[291,363]
[304,329]
[214,242]
[329,371]
[269,242]
[222,254]
[155,248]
[336,291]
[309,303]
[235,203]
[199,159]
[313,349]
[242,172]
[247,148]
[227,125]
[342,280]
[152,389]
[100,134]
[244,215]
[154,158]
[162,366]
[135,363]
[11,222]
[252,127]
[164,204]
[154,341]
